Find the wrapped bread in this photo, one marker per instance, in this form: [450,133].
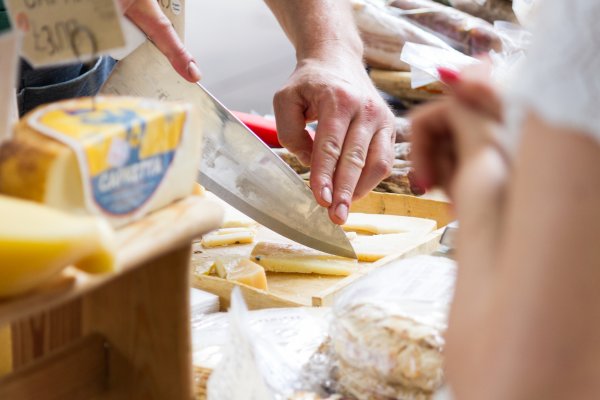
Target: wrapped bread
[384,35]
[464,32]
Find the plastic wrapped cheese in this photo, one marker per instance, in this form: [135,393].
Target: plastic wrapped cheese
[120,157]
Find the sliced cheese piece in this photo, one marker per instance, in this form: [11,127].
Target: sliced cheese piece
[351,235]
[228,236]
[123,159]
[383,224]
[203,266]
[241,270]
[376,247]
[37,242]
[292,258]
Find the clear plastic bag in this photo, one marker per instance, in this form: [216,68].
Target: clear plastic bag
[384,35]
[489,10]
[259,355]
[464,32]
[386,333]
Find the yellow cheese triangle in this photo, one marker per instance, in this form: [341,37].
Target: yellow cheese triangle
[36,242]
[241,270]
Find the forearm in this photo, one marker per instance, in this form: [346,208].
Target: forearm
[532,330]
[318,28]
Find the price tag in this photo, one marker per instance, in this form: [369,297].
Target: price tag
[62,31]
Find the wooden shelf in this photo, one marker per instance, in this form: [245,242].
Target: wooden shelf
[127,333]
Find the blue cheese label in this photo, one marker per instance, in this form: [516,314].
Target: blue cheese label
[125,146]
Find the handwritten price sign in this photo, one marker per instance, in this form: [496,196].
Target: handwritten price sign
[61,31]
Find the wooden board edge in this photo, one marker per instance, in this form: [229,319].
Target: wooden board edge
[427,246]
[255,298]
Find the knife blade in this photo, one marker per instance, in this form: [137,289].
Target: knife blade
[236,165]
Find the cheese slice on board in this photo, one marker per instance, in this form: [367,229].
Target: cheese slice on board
[228,237]
[383,224]
[376,247]
[293,258]
[37,242]
[241,270]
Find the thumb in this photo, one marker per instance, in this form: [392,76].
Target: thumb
[148,16]
[291,124]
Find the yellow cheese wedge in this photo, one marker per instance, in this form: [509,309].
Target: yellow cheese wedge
[37,242]
[279,257]
[376,247]
[383,224]
[241,270]
[228,237]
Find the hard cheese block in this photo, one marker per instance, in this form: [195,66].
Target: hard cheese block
[241,270]
[385,224]
[121,157]
[376,247]
[37,242]
[292,258]
[228,236]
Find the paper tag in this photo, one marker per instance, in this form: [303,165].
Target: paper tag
[62,31]
[175,11]
[9,46]
[125,147]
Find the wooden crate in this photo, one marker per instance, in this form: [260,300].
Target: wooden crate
[124,335]
[293,290]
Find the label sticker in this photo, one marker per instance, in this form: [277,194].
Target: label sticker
[62,31]
[125,147]
[176,7]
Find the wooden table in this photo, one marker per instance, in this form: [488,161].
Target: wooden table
[124,335]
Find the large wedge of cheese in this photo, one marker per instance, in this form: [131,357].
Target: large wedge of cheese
[122,158]
[241,270]
[384,224]
[292,258]
[37,242]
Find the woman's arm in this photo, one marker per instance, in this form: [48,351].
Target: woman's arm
[525,322]
[353,146]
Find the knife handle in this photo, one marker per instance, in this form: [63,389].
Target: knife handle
[262,127]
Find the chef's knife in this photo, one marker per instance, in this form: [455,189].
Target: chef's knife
[236,165]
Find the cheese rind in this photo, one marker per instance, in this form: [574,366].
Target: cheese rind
[289,258]
[37,242]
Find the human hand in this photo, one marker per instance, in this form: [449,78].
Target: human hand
[148,16]
[452,130]
[353,148]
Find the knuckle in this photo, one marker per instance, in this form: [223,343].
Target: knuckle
[356,157]
[344,192]
[382,167]
[331,148]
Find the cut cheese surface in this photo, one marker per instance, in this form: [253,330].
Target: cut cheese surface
[37,242]
[384,224]
[376,247]
[292,258]
[228,237]
[241,270]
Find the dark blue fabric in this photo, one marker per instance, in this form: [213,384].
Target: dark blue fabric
[45,85]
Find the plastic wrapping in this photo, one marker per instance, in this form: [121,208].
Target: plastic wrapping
[386,331]
[425,61]
[468,34]
[489,10]
[384,35]
[258,354]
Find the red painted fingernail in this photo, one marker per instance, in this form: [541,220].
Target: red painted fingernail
[448,76]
